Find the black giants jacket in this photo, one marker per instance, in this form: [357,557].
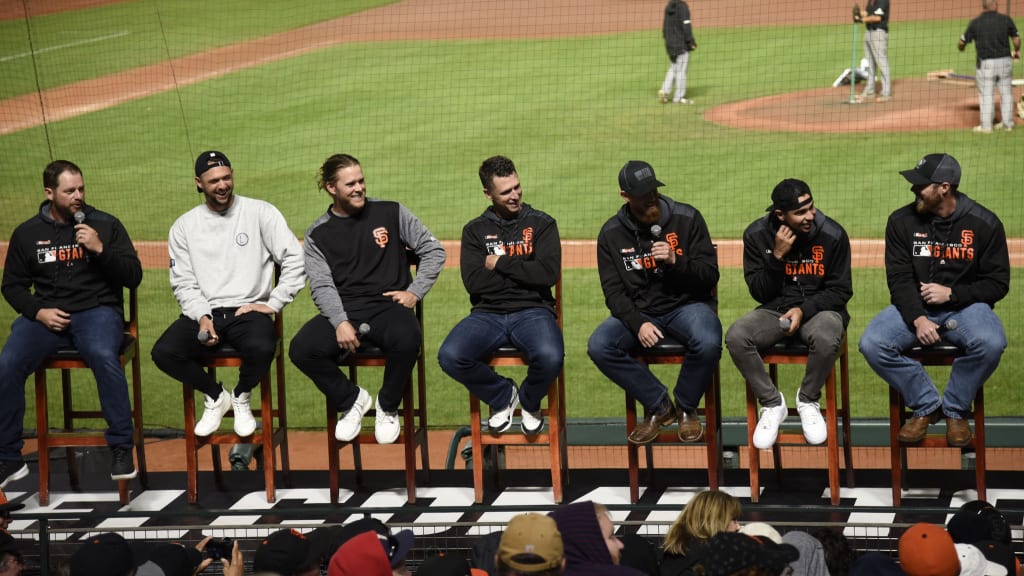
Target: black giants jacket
[634,284]
[814,276]
[530,265]
[43,254]
[677,29]
[966,251]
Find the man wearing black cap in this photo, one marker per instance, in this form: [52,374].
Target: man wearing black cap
[796,262]
[223,254]
[658,272]
[65,274]
[992,34]
[947,264]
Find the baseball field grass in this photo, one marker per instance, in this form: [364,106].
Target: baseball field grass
[421,114]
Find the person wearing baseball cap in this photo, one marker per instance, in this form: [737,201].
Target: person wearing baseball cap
[992,34]
[796,262]
[658,271]
[223,257]
[926,549]
[947,265]
[531,544]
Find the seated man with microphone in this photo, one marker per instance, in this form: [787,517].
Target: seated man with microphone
[658,271]
[946,259]
[65,272]
[796,262]
[222,256]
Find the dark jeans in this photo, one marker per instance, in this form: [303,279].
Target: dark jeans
[759,329]
[179,353]
[696,326]
[533,331]
[97,333]
[393,328]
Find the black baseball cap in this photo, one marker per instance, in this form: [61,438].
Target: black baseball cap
[934,169]
[637,178]
[210,159]
[786,195]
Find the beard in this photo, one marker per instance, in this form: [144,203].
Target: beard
[649,215]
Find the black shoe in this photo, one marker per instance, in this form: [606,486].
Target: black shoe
[11,470]
[122,466]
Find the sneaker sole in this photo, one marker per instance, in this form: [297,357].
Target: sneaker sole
[124,476]
[534,431]
[17,475]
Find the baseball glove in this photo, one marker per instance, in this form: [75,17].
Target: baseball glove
[856,13]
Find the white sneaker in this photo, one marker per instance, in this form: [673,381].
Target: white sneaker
[502,419]
[245,424]
[813,424]
[532,422]
[215,410]
[386,427]
[662,97]
[768,425]
[349,426]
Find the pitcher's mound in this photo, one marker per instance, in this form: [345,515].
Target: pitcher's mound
[916,105]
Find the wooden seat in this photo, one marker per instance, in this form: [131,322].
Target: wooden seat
[670,351]
[272,434]
[837,406]
[414,419]
[554,414]
[67,437]
[941,354]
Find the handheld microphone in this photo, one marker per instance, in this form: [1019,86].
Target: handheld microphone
[203,336]
[785,323]
[364,329]
[79,217]
[656,231]
[948,326]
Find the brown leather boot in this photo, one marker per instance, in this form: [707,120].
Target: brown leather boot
[647,429]
[690,428]
[958,432]
[916,428]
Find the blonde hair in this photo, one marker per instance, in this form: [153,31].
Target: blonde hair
[707,514]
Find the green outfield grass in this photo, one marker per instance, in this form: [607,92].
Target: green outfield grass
[422,115]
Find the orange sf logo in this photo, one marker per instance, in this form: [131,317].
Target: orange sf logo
[380,236]
[527,235]
[967,237]
[818,253]
[673,242]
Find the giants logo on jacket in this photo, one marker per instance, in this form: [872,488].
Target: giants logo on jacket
[380,236]
[520,247]
[812,266]
[66,255]
[633,261]
[962,250]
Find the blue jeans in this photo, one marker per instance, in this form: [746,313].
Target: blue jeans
[97,333]
[979,333]
[533,331]
[694,325]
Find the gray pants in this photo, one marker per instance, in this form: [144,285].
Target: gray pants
[677,73]
[759,329]
[991,73]
[876,48]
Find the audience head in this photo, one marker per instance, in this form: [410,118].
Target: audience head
[12,562]
[707,514]
[977,521]
[289,552]
[927,550]
[169,559]
[839,552]
[106,554]
[812,556]
[531,544]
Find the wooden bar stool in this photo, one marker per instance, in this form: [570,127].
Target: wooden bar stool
[272,434]
[941,354]
[554,413]
[670,351]
[67,437]
[793,351]
[414,419]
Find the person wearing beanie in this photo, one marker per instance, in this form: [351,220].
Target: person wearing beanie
[223,257]
[591,547]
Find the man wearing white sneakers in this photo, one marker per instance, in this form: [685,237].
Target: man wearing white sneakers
[358,264]
[223,254]
[511,257]
[796,262]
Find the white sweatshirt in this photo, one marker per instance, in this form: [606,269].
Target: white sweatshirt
[226,259]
